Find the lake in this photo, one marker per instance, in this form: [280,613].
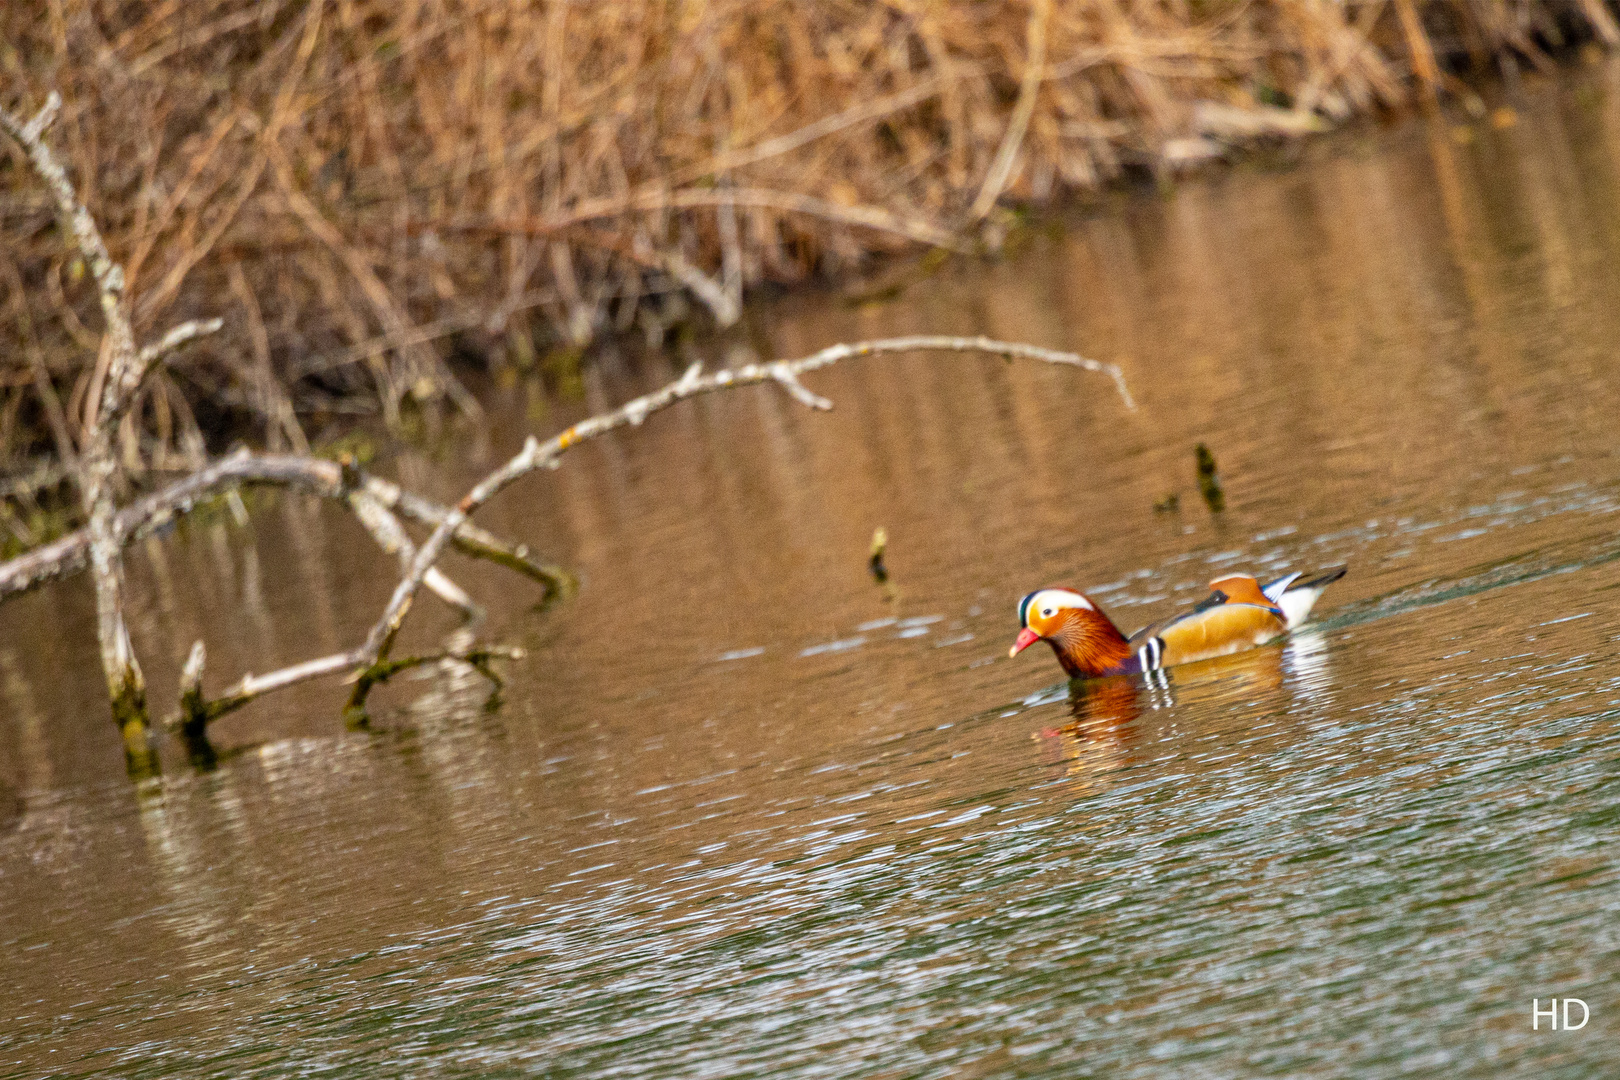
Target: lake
[742,811]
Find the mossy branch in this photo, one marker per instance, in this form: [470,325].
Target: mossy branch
[124,366]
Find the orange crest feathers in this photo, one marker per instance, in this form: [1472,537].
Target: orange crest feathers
[1242,589]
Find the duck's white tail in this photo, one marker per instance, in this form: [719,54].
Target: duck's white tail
[1296,601]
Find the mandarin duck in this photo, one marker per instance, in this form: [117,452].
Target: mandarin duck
[1238,614]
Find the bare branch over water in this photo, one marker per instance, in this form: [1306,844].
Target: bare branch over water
[785,373]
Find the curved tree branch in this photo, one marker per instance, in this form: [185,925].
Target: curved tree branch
[785,373]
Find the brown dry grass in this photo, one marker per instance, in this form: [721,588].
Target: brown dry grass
[351,183]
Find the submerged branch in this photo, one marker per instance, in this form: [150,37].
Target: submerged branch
[197,711]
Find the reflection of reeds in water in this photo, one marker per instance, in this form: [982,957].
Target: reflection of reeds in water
[365,189]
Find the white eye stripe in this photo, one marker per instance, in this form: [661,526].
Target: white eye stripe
[1050,601]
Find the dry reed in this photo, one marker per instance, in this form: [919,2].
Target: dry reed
[353,184]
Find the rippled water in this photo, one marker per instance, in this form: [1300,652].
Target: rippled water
[741,813]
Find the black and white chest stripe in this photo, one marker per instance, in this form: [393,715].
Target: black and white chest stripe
[1151,654]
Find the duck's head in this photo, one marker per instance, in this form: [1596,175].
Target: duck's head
[1045,613]
[1085,640]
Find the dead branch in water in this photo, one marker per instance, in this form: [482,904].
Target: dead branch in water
[371,657]
[328,479]
[196,711]
[121,367]
[377,500]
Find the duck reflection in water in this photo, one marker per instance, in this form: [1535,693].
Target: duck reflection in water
[1094,742]
[1109,716]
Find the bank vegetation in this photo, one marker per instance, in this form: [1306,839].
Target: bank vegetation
[382,199]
